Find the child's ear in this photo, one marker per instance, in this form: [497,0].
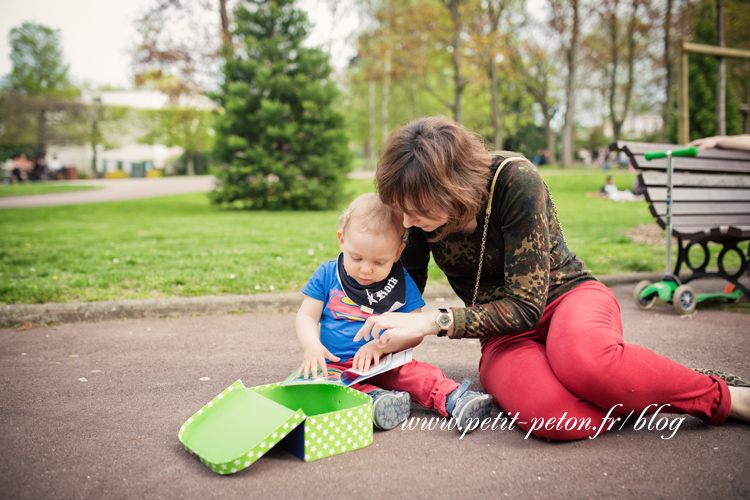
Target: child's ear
[400,249]
[340,237]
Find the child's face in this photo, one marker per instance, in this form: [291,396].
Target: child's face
[368,257]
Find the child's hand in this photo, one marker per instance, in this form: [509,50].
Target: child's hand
[368,354]
[315,356]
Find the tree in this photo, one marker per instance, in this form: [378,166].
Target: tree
[456,7]
[535,63]
[619,43]
[182,46]
[38,67]
[187,128]
[487,43]
[566,22]
[39,71]
[279,137]
[669,69]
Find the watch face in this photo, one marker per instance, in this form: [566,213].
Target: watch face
[444,321]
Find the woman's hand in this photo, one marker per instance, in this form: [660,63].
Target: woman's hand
[394,325]
[707,142]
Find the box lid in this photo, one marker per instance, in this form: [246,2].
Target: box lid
[236,428]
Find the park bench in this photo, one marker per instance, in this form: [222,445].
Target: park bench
[710,204]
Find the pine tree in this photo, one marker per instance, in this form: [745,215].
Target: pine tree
[282,143]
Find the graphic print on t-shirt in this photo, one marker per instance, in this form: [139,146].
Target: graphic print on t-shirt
[342,307]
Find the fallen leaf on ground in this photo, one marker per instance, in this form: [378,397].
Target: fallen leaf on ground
[26,325]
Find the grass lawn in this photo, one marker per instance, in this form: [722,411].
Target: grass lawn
[182,246]
[39,188]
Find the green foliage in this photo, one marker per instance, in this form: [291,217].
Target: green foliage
[187,128]
[37,59]
[280,139]
[28,123]
[702,90]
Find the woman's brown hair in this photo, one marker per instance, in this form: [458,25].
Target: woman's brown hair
[435,163]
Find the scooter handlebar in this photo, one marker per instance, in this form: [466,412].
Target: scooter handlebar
[691,151]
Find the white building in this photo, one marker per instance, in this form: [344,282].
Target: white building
[129,151]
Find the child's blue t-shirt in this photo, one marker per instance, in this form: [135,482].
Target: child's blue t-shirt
[342,318]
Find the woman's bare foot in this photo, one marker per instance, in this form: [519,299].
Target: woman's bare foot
[740,408]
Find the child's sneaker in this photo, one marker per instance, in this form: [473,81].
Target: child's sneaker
[465,406]
[389,408]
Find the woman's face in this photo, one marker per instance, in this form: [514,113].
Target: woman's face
[427,222]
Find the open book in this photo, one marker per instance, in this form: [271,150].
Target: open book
[353,376]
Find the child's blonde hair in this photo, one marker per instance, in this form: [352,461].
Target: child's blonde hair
[374,215]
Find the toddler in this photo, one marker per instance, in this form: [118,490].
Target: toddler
[366,279]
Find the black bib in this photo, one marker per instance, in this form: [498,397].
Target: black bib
[383,296]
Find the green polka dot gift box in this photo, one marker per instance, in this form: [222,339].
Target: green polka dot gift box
[313,421]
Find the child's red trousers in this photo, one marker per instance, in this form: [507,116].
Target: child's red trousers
[427,384]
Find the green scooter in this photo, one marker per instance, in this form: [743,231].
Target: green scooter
[670,289]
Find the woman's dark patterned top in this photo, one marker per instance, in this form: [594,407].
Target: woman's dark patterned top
[526,261]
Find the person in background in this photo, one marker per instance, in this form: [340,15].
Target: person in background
[22,167]
[55,167]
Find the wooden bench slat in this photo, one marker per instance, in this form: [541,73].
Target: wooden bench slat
[659,209]
[710,220]
[733,167]
[651,178]
[741,232]
[640,148]
[655,194]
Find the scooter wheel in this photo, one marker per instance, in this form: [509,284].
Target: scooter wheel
[683,299]
[641,302]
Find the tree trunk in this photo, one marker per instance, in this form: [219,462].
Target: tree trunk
[385,103]
[567,132]
[226,33]
[453,8]
[615,63]
[371,113]
[550,134]
[616,129]
[42,134]
[190,156]
[413,99]
[721,80]
[498,138]
[628,93]
[494,11]
[457,100]
[667,111]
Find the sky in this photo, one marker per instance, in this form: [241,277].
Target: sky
[98,34]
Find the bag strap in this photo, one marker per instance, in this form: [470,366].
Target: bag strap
[487,221]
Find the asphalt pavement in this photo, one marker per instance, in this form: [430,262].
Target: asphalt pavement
[92,410]
[113,190]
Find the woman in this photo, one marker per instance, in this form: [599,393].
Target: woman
[551,334]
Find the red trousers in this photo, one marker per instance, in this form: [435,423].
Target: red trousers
[426,384]
[575,364]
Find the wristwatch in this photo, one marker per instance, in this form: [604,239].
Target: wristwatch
[444,321]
